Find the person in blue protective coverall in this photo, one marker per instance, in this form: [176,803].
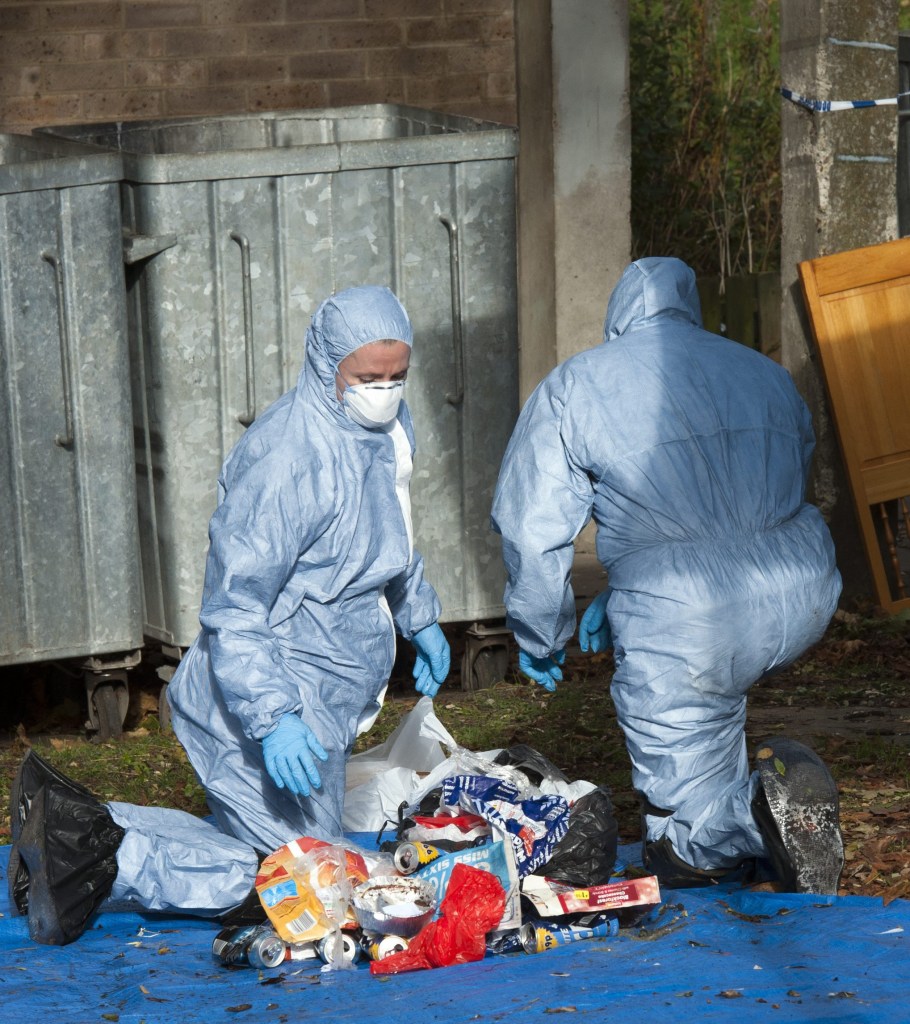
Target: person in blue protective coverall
[691,453]
[311,570]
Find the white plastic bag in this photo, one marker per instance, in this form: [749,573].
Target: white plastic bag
[380,779]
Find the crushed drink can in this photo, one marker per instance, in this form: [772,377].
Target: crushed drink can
[255,945]
[327,947]
[378,947]
[539,936]
[505,942]
[410,857]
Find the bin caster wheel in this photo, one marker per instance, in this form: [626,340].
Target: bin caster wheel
[486,656]
[108,702]
[164,711]
[489,666]
[166,674]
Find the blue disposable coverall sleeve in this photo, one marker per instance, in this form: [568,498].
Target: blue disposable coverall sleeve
[543,500]
[256,535]
[412,600]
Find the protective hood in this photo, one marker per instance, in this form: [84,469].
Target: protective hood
[658,287]
[345,322]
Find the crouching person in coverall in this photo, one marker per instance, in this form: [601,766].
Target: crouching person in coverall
[691,453]
[311,570]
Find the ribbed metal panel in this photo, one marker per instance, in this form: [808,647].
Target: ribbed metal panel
[69,545]
[259,219]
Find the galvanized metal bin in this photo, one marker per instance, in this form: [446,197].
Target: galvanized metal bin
[69,546]
[243,225]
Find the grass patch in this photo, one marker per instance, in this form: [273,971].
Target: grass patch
[147,767]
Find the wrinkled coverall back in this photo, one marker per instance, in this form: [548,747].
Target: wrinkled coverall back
[691,453]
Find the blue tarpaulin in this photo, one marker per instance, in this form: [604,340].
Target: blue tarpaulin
[718,953]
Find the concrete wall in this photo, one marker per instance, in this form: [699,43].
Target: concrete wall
[574,174]
[839,192]
[69,62]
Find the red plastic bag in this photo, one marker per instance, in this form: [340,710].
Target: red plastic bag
[473,905]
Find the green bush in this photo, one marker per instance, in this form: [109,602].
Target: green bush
[704,81]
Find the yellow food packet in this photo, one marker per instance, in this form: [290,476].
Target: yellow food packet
[305,888]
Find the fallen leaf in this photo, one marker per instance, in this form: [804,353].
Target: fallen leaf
[753,918]
[894,892]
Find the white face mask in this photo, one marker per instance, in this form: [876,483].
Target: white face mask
[373,405]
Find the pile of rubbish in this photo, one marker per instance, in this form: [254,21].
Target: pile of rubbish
[484,854]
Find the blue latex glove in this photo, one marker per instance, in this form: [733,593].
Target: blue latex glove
[594,632]
[545,671]
[433,659]
[289,751]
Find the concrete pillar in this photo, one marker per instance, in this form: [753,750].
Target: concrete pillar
[574,236]
[839,192]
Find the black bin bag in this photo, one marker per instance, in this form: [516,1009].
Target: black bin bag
[586,854]
[531,762]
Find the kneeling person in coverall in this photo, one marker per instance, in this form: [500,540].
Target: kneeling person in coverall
[311,570]
[691,453]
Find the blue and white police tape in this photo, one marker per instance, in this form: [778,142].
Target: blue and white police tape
[823,106]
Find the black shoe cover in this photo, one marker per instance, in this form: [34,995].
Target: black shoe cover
[797,812]
[32,774]
[68,846]
[673,872]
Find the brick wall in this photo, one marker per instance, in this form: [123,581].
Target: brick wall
[63,61]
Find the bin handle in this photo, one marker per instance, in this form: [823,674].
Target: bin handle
[247,417]
[457,328]
[64,440]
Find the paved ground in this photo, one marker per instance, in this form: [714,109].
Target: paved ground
[888,723]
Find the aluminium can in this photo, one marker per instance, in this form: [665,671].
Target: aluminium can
[411,857]
[327,947]
[539,936]
[250,946]
[378,947]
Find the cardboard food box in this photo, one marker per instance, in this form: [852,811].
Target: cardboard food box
[552,899]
